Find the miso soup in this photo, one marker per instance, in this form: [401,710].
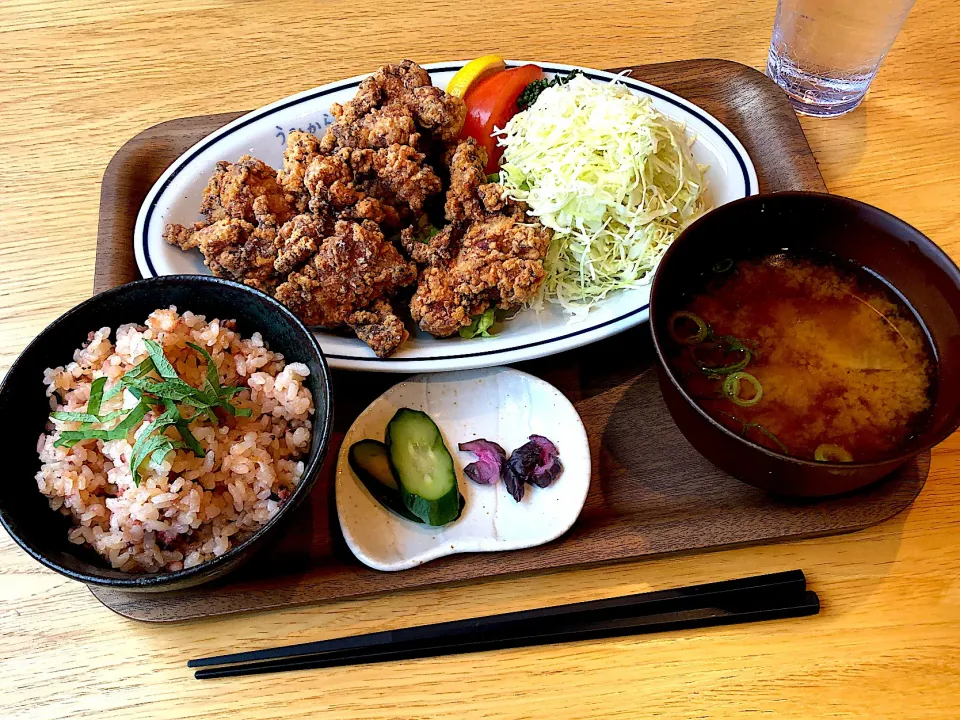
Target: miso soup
[807,356]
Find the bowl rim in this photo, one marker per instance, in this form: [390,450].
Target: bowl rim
[903,227]
[157,580]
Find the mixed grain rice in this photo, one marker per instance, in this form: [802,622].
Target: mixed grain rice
[188,509]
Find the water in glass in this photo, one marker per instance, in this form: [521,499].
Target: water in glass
[825,53]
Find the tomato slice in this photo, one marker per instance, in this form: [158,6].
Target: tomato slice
[491,103]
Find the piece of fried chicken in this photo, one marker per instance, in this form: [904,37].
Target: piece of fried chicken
[491,254]
[380,114]
[389,185]
[232,249]
[374,159]
[379,327]
[373,162]
[349,270]
[298,240]
[244,206]
[238,190]
[302,148]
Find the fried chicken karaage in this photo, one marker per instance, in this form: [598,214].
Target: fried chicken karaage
[244,206]
[387,102]
[232,249]
[349,270]
[379,327]
[244,190]
[302,148]
[373,162]
[490,255]
[341,228]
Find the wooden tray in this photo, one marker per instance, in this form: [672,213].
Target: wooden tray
[651,494]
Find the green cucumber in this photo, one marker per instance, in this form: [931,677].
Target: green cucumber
[423,467]
[370,462]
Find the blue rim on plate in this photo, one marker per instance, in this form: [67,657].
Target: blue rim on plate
[750,188]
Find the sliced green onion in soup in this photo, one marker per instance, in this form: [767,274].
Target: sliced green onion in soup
[766,433]
[831,453]
[746,428]
[720,363]
[732,388]
[697,336]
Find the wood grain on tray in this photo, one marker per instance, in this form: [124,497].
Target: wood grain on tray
[651,492]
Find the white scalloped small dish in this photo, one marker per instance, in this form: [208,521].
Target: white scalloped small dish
[499,404]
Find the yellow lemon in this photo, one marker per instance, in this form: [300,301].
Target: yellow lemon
[472,72]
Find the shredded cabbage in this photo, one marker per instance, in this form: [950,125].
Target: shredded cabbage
[611,176]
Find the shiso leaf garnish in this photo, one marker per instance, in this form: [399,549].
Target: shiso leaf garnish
[156,447]
[173,389]
[189,439]
[213,375]
[96,397]
[167,392]
[532,92]
[212,385]
[69,438]
[160,362]
[144,368]
[81,417]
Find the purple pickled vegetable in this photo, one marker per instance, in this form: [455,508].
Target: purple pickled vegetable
[490,459]
[513,481]
[549,467]
[536,462]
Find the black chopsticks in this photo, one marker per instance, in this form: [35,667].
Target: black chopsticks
[764,597]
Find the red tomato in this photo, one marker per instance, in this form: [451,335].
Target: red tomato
[491,103]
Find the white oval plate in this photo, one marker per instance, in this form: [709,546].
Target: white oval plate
[498,404]
[177,194]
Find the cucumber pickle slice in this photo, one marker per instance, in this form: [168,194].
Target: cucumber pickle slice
[424,468]
[370,462]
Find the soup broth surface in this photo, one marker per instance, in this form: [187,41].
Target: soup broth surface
[814,359]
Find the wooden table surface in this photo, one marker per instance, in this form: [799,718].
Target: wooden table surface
[79,77]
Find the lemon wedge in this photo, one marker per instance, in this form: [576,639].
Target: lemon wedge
[472,72]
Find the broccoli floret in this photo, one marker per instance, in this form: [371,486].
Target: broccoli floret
[532,91]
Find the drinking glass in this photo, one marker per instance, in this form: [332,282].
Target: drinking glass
[825,53]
